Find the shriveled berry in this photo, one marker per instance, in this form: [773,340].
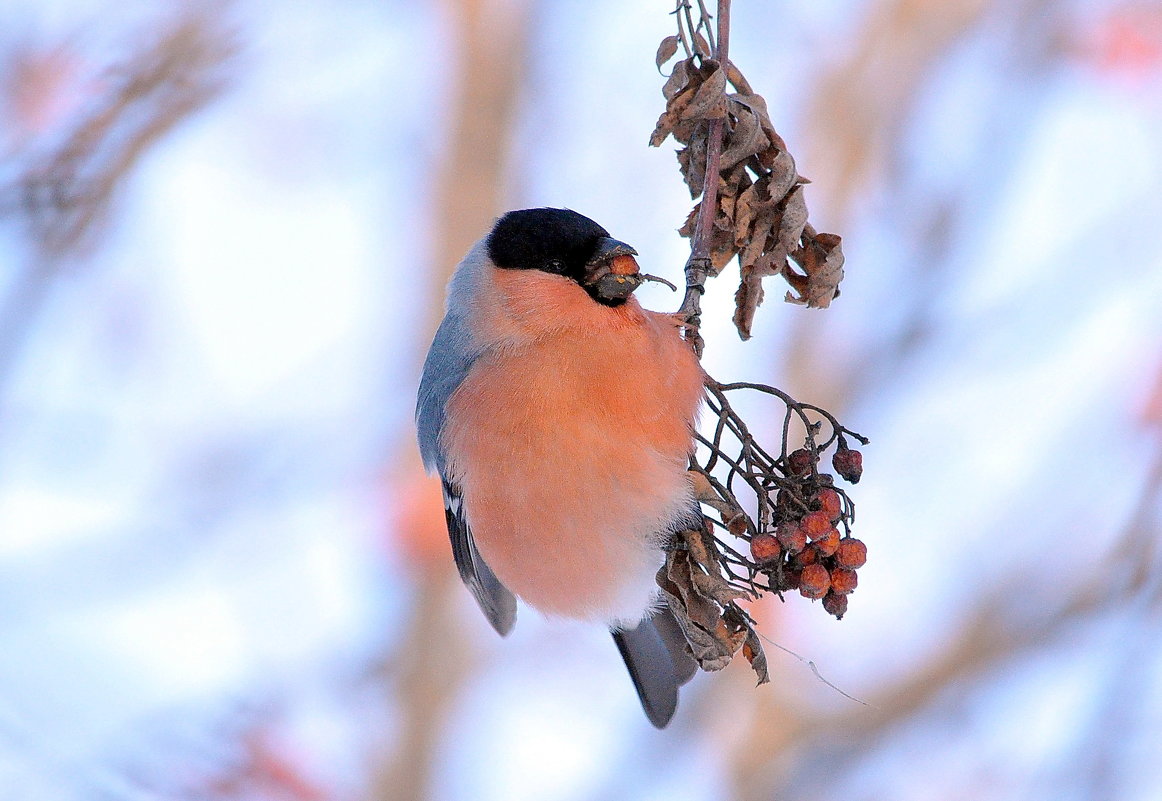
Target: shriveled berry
[851,553]
[835,605]
[791,537]
[815,525]
[829,503]
[849,464]
[814,581]
[828,543]
[737,524]
[800,462]
[790,579]
[764,548]
[843,580]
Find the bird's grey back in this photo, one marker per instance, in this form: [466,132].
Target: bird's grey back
[451,356]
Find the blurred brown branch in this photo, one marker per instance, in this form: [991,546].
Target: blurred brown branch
[64,198]
[491,40]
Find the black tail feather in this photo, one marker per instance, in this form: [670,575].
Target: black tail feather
[655,655]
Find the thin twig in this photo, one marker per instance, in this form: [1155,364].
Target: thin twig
[698,266]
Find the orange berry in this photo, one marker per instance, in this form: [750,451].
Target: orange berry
[765,549]
[843,580]
[815,525]
[829,502]
[814,581]
[828,543]
[808,556]
[851,553]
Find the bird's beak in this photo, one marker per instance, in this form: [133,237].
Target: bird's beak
[612,273]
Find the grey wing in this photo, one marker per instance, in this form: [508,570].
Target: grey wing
[497,603]
[448,362]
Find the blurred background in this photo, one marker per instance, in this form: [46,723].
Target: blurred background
[224,233]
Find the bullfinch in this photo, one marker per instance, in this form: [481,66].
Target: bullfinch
[560,415]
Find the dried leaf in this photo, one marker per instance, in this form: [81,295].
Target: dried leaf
[697,615]
[793,219]
[783,175]
[745,139]
[709,101]
[701,46]
[692,160]
[735,76]
[666,50]
[679,79]
[722,248]
[746,300]
[822,260]
[752,647]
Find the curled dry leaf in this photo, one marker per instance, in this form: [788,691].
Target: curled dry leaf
[703,602]
[761,215]
[666,50]
[821,258]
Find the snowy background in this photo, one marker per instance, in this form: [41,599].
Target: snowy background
[221,574]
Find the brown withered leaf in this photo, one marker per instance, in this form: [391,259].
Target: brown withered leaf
[679,79]
[692,160]
[821,258]
[704,492]
[709,580]
[701,599]
[672,116]
[666,50]
[737,80]
[701,46]
[747,298]
[752,647]
[757,243]
[745,138]
[792,220]
[722,248]
[709,102]
[783,175]
[697,616]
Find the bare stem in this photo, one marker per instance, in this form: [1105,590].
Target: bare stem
[698,266]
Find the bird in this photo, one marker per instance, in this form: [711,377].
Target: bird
[560,415]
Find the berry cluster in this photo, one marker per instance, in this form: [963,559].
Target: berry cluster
[804,549]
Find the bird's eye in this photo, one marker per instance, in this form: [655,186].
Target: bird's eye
[554,266]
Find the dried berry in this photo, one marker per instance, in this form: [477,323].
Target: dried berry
[800,462]
[829,503]
[788,505]
[791,537]
[849,464]
[737,525]
[851,553]
[790,578]
[835,605]
[828,543]
[815,525]
[765,549]
[843,580]
[814,581]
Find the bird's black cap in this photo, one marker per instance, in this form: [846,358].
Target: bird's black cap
[558,241]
